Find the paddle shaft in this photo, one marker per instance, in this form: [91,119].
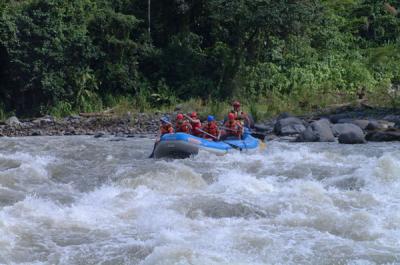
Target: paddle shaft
[200,130]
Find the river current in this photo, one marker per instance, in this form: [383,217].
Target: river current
[81,200]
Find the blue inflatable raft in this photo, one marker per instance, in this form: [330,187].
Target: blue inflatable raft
[181,145]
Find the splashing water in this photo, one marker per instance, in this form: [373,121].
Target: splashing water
[79,200]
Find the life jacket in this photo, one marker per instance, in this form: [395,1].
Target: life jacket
[164,129]
[195,126]
[212,129]
[184,127]
[234,128]
[242,117]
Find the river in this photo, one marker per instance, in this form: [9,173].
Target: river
[81,200]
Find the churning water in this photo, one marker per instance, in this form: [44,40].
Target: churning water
[80,200]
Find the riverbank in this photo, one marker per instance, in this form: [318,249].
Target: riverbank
[361,123]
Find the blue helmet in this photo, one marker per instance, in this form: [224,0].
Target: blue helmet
[210,118]
[165,119]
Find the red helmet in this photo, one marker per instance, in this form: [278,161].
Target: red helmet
[236,104]
[231,116]
[193,115]
[179,116]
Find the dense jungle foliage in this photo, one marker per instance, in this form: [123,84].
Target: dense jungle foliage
[84,55]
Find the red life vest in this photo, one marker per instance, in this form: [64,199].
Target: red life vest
[212,129]
[184,127]
[164,129]
[242,117]
[234,128]
[195,126]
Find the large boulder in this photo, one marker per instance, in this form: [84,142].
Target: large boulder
[349,133]
[340,128]
[318,131]
[384,136]
[289,126]
[13,121]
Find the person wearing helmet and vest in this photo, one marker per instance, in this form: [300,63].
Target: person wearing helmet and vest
[195,123]
[233,127]
[240,115]
[166,126]
[182,125]
[211,129]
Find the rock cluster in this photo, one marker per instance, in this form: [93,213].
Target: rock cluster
[77,125]
[345,128]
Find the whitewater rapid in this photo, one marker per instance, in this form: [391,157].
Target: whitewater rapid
[80,200]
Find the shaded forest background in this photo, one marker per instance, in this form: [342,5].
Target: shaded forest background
[84,55]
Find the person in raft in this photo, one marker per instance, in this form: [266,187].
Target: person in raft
[182,125]
[240,115]
[233,127]
[211,129]
[195,123]
[165,126]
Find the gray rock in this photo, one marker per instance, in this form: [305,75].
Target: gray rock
[318,131]
[289,126]
[360,123]
[384,136]
[43,121]
[339,128]
[13,121]
[36,133]
[307,136]
[374,125]
[350,134]
[99,134]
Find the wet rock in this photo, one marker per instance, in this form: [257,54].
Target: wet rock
[374,125]
[37,133]
[46,120]
[13,121]
[360,123]
[99,134]
[318,131]
[349,134]
[384,136]
[289,126]
[340,128]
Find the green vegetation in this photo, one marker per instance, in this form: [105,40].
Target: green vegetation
[63,57]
